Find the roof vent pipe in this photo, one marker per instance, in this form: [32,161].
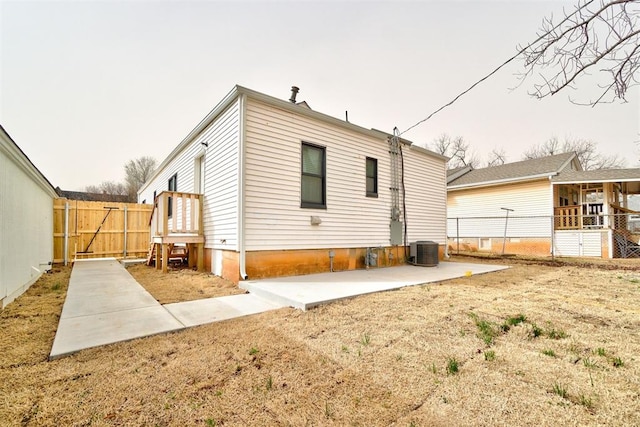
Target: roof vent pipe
[294,92]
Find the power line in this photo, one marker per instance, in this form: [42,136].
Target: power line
[497,68]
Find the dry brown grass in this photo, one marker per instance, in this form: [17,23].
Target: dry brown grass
[379,359]
[181,284]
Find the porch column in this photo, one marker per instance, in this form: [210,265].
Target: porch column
[200,256]
[157,253]
[607,197]
[165,257]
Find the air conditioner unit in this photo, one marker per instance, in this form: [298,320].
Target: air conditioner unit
[424,253]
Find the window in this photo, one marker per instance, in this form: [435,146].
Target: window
[173,183]
[313,181]
[485,244]
[173,186]
[372,177]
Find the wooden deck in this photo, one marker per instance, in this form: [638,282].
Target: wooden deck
[177,219]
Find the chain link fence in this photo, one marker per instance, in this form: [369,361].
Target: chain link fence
[561,235]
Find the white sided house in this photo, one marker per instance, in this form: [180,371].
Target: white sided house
[271,187]
[26,225]
[545,206]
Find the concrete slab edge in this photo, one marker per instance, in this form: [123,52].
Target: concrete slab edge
[95,259]
[272,297]
[54,356]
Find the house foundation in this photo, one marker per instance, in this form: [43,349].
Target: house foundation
[277,263]
[520,246]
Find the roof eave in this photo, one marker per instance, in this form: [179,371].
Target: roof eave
[290,106]
[500,182]
[12,149]
[569,160]
[598,181]
[429,153]
[206,121]
[286,105]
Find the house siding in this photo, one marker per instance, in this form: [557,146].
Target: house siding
[26,229]
[220,210]
[274,218]
[426,197]
[478,212]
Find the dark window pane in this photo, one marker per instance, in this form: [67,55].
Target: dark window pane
[371,185]
[312,189]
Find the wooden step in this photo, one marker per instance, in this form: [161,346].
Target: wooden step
[152,254]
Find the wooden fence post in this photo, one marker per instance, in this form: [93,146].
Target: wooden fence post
[66,233]
[124,251]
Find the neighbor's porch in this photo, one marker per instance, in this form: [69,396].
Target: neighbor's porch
[177,230]
[600,206]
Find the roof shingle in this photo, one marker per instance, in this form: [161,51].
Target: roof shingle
[516,171]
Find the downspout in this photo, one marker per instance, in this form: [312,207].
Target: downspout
[241,184]
[446,215]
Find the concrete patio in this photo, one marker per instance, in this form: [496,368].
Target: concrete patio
[105,304]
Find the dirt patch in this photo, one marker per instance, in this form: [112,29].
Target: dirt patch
[529,345]
[181,284]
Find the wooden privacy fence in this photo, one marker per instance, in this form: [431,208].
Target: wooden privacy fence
[99,229]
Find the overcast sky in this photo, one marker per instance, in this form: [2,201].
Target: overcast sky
[86,86]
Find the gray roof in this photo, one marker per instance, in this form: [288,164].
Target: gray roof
[92,197]
[301,108]
[515,172]
[455,173]
[602,175]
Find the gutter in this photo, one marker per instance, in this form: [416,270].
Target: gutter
[241,183]
[22,161]
[204,123]
[545,175]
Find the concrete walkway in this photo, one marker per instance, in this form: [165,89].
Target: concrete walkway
[105,304]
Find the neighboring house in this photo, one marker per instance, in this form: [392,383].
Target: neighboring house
[554,207]
[282,189]
[91,197]
[26,225]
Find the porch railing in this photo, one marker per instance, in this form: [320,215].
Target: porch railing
[177,213]
[568,218]
[572,218]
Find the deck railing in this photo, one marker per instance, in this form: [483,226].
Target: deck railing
[177,213]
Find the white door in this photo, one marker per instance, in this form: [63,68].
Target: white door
[198,175]
[578,243]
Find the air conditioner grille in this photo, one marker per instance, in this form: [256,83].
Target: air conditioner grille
[424,253]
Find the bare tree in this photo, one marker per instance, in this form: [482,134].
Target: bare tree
[108,187]
[603,33]
[457,149]
[548,148]
[586,150]
[497,157]
[137,172]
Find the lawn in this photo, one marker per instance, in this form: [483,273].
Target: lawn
[532,345]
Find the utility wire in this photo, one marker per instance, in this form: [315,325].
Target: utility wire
[520,52]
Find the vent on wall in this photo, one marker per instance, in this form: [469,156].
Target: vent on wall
[424,253]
